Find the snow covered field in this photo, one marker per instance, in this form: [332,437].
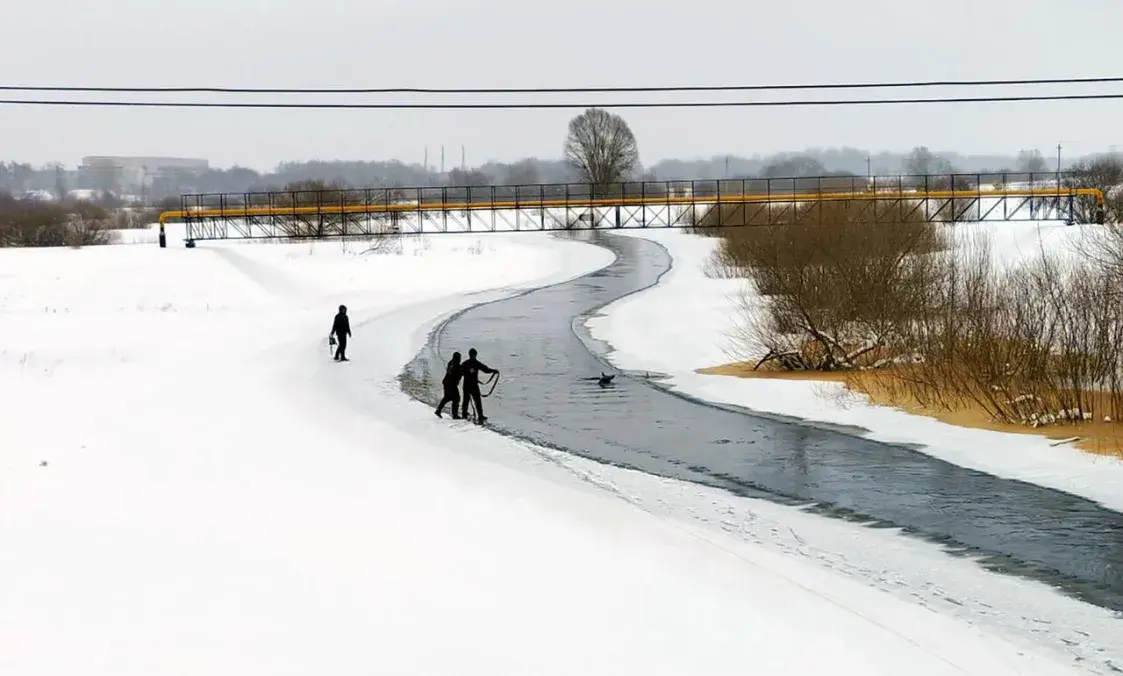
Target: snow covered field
[188,485]
[705,311]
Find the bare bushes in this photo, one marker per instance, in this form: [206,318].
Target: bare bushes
[386,237]
[319,209]
[835,291]
[933,319]
[322,210]
[27,223]
[84,230]
[134,218]
[1035,344]
[1103,247]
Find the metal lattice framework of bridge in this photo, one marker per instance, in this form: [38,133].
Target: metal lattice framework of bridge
[370,212]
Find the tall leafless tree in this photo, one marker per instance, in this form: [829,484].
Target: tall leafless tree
[601,147]
[1032,162]
[923,162]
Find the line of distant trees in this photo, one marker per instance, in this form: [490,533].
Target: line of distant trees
[53,181]
[600,151]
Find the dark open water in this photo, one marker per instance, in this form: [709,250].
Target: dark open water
[544,398]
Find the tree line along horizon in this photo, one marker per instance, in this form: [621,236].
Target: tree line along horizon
[600,147]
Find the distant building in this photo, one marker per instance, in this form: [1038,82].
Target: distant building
[108,172]
[39,195]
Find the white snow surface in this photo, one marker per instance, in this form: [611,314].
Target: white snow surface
[188,485]
[688,321]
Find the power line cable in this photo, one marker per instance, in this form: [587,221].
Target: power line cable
[541,105]
[566,90]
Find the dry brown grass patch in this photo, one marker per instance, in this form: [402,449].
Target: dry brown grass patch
[1098,436]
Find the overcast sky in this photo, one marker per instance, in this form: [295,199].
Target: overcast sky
[518,43]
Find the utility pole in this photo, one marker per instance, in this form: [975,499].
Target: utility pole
[463,160]
[1058,170]
[727,166]
[442,159]
[426,159]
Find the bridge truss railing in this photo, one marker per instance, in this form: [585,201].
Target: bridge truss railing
[569,206]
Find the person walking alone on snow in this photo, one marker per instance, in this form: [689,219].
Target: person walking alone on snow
[341,329]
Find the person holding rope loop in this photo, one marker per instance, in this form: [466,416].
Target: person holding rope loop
[470,369]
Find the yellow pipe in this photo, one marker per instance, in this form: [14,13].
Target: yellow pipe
[744,198]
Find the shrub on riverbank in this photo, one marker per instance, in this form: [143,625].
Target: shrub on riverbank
[832,290]
[937,319]
[1035,344]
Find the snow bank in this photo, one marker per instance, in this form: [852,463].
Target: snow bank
[189,485]
[686,323]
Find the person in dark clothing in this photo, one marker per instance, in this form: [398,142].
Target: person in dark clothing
[471,372]
[452,384]
[341,329]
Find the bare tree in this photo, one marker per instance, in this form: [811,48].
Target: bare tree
[794,166]
[601,147]
[1031,162]
[523,172]
[928,170]
[470,178]
[1106,174]
[60,181]
[921,161]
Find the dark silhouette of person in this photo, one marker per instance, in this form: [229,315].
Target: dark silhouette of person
[341,329]
[471,372]
[452,384]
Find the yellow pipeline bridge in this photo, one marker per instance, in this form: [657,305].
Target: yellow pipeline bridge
[301,214]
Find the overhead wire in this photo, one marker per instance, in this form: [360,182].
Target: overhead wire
[555,105]
[564,90]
